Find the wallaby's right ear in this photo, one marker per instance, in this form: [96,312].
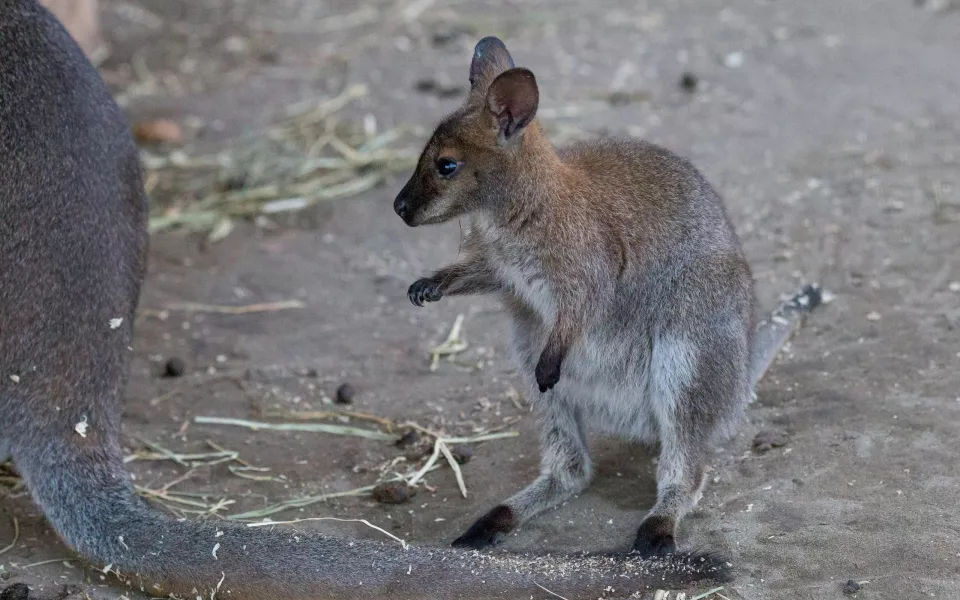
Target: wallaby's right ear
[490,58]
[513,98]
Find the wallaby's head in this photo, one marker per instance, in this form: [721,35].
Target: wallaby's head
[473,148]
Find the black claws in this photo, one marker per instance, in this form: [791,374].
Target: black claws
[424,290]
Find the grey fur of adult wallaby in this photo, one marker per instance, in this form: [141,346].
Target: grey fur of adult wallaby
[631,301]
[73,247]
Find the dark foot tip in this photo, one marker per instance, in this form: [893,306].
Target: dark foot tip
[655,537]
[488,530]
[467,543]
[655,546]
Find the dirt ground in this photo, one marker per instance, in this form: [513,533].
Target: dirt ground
[831,128]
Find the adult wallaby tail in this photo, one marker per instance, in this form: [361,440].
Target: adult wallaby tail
[87,497]
[772,333]
[72,252]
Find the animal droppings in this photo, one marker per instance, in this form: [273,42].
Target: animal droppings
[851,587]
[175,367]
[394,492]
[769,439]
[345,394]
[462,453]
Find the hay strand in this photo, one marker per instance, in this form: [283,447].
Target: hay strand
[308,427]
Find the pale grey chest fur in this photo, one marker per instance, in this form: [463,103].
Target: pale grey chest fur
[518,270]
[626,380]
[609,374]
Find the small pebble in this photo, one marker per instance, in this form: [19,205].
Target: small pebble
[160,131]
[769,439]
[175,367]
[448,36]
[71,592]
[410,438]
[17,591]
[236,44]
[436,88]
[270,56]
[232,183]
[345,394]
[688,82]
[619,99]
[851,587]
[417,453]
[733,60]
[394,492]
[462,454]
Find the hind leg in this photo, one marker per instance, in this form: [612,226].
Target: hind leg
[680,477]
[697,393]
[565,470]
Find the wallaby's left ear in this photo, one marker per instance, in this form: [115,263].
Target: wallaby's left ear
[490,58]
[513,98]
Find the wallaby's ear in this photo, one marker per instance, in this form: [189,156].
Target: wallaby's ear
[513,98]
[490,58]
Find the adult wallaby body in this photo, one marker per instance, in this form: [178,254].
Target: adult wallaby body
[631,301]
[73,243]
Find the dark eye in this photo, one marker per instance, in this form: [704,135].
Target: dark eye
[447,167]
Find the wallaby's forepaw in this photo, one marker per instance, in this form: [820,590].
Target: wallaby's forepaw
[655,537]
[424,290]
[548,370]
[488,530]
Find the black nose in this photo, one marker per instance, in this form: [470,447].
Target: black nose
[400,207]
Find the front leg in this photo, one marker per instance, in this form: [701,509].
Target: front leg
[470,277]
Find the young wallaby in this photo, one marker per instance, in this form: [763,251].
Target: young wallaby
[631,301]
[73,243]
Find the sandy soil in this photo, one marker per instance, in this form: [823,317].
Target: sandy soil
[830,128]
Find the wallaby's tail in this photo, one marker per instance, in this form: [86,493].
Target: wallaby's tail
[85,492]
[773,332]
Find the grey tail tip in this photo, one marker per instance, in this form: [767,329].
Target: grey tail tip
[809,298]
